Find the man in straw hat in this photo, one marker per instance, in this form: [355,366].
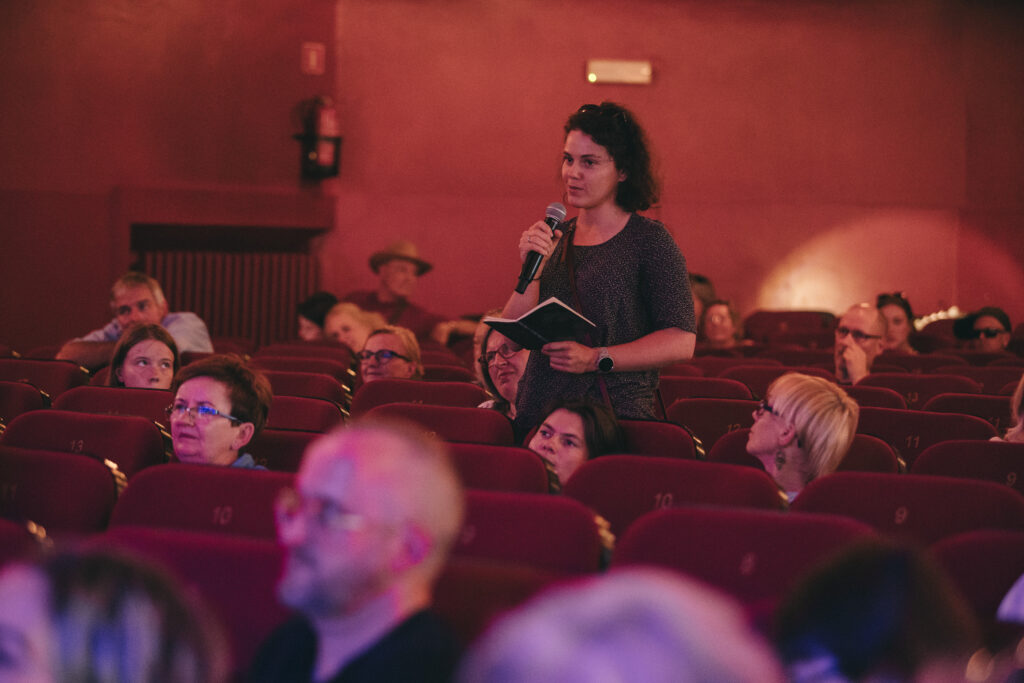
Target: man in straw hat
[399,266]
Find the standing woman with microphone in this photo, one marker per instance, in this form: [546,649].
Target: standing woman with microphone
[619,269]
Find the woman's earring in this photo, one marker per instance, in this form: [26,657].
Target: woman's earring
[780,459]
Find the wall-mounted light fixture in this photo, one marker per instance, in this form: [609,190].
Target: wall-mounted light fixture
[633,72]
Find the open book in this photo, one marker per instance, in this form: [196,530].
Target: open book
[548,321]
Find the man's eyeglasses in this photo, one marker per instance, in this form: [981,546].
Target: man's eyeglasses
[988,332]
[290,505]
[200,414]
[857,335]
[505,351]
[382,356]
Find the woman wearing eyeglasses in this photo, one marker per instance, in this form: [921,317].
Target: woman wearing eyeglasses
[619,269]
[220,405]
[802,430]
[390,352]
[501,365]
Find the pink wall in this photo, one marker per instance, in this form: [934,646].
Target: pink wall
[813,153]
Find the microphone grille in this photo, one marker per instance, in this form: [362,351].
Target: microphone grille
[555,210]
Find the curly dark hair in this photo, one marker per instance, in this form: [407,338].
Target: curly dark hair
[616,129]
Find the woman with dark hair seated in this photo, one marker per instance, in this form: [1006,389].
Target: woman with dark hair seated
[574,431]
[100,616]
[145,357]
[899,318]
[501,366]
[311,315]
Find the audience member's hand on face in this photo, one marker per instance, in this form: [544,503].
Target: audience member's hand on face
[853,361]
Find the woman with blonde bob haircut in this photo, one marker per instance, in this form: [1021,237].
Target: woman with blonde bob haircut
[350,325]
[391,352]
[802,430]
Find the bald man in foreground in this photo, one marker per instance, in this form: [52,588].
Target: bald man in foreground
[366,532]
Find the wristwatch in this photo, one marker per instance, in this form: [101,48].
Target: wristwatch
[604,360]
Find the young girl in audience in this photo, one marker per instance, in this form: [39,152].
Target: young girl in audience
[350,325]
[101,616]
[146,357]
[573,432]
[900,322]
[501,366]
[802,430]
[1016,431]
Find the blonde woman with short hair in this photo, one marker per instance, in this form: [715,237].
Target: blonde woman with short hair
[802,430]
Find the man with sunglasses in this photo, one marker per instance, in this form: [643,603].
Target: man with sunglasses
[987,329]
[220,405]
[390,352]
[366,532]
[859,335]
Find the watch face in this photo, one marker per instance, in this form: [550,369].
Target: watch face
[605,364]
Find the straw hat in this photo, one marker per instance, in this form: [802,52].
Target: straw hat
[404,250]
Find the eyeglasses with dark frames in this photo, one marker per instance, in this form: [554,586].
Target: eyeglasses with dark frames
[202,413]
[765,407]
[506,351]
[382,356]
[842,331]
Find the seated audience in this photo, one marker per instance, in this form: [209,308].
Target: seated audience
[501,367]
[859,335]
[899,319]
[986,329]
[644,625]
[390,352]
[877,612]
[348,324]
[136,299]
[311,315]
[399,266]
[802,430]
[719,326]
[146,357]
[220,405]
[1015,433]
[366,532]
[573,432]
[99,616]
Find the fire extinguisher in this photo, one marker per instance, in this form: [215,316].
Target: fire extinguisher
[321,142]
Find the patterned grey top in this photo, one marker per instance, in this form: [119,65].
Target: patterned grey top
[631,285]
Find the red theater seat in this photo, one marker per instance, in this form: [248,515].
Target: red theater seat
[202,498]
[280,449]
[920,362]
[995,461]
[671,389]
[326,366]
[20,397]
[63,492]
[453,423]
[381,391]
[500,468]
[236,576]
[914,507]
[713,366]
[330,350]
[654,437]
[304,413]
[52,376]
[622,488]
[755,555]
[447,373]
[992,378]
[916,389]
[759,378]
[552,533]
[909,432]
[876,397]
[993,409]
[148,403]
[17,540]
[309,384]
[710,418]
[131,442]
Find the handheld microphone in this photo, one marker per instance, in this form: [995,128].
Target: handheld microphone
[554,215]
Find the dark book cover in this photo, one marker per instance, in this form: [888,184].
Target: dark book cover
[548,321]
